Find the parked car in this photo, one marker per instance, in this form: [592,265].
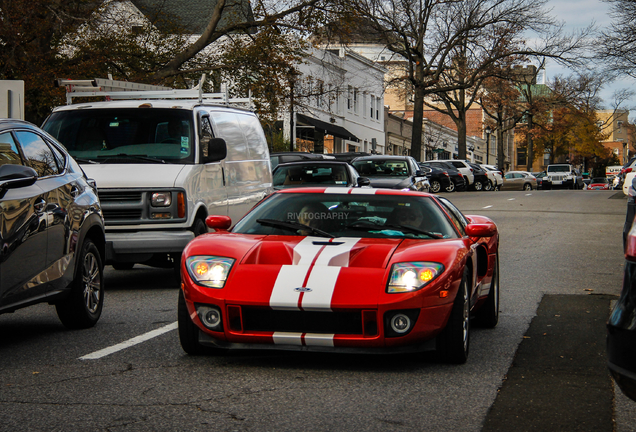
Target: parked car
[495,173]
[439,179]
[463,167]
[519,180]
[392,172]
[360,270]
[599,183]
[349,156]
[315,173]
[283,157]
[621,332]
[540,175]
[482,181]
[458,183]
[631,210]
[51,226]
[162,166]
[562,175]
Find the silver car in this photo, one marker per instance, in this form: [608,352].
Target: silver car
[519,180]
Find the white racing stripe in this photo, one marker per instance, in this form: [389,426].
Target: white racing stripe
[287,338]
[327,261]
[130,342]
[317,339]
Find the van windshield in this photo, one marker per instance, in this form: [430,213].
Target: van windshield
[125,135]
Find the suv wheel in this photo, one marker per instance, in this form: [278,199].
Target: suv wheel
[83,306]
[478,185]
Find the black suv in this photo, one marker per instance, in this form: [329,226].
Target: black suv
[51,228]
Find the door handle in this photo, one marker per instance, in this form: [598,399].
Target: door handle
[39,205]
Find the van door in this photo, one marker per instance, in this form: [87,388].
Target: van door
[240,181]
[208,185]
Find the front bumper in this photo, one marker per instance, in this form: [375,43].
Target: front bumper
[146,242]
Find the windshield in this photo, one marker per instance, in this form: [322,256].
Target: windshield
[310,175]
[599,180]
[134,135]
[559,168]
[346,215]
[382,168]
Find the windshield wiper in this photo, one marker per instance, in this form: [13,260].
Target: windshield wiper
[82,160]
[137,157]
[295,226]
[365,225]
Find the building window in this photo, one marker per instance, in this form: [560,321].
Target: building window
[364,104]
[355,100]
[349,98]
[372,106]
[521,156]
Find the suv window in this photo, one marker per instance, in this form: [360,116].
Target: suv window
[9,154]
[38,154]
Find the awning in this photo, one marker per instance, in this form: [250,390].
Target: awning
[327,128]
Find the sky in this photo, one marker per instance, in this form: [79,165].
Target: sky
[578,14]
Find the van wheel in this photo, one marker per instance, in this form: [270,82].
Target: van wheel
[83,307]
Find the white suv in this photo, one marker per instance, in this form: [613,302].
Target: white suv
[494,174]
[463,167]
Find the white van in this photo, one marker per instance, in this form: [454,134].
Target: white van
[163,166]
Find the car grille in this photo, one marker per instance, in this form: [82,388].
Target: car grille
[132,207]
[557,177]
[255,319]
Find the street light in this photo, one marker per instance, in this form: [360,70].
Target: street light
[488,132]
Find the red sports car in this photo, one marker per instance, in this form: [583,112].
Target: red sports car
[341,269]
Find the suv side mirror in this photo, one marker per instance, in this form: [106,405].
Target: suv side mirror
[16,176]
[217,150]
[363,181]
[419,173]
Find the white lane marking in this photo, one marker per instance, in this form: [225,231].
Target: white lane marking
[487,206]
[528,194]
[511,199]
[130,342]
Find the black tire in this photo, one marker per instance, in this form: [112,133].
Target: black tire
[188,331]
[478,186]
[527,187]
[83,306]
[488,315]
[453,342]
[451,187]
[123,265]
[435,186]
[488,186]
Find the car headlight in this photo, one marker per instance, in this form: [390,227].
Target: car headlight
[161,199]
[209,271]
[412,276]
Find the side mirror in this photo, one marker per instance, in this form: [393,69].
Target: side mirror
[363,181]
[216,222]
[481,229]
[217,150]
[16,176]
[419,173]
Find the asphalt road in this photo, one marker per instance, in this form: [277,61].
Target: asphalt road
[558,249]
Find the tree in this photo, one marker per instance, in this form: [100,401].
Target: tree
[616,46]
[427,34]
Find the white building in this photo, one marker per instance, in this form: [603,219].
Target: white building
[345,107]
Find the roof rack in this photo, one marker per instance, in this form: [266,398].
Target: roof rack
[118,90]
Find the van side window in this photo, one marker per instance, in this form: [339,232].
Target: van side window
[205,133]
[38,154]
